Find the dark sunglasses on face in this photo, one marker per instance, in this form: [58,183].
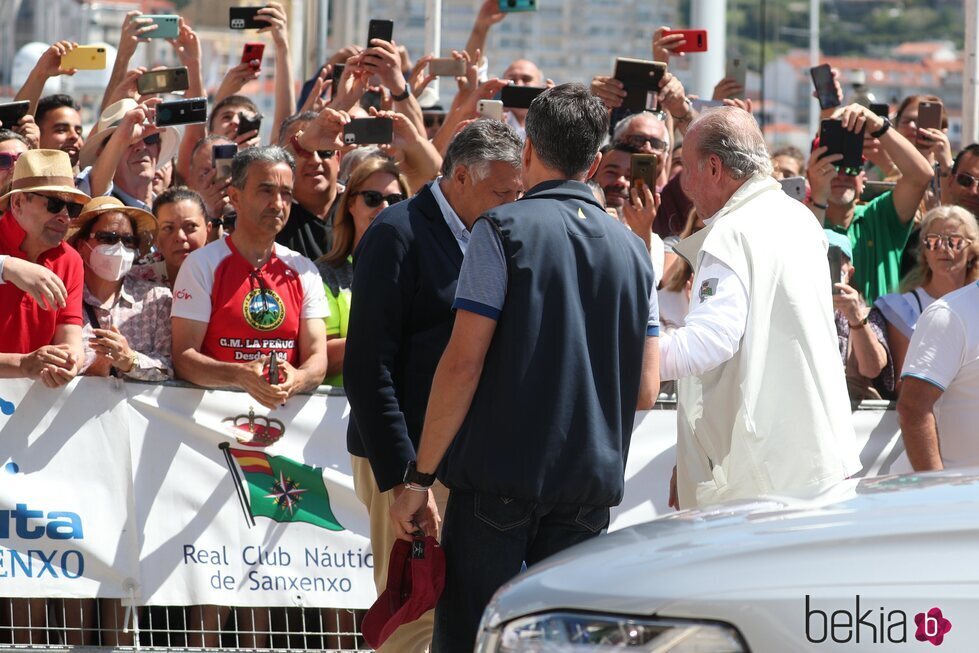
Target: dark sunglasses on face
[324,154]
[849,172]
[952,242]
[56,204]
[8,159]
[965,181]
[151,140]
[111,238]
[638,142]
[373,199]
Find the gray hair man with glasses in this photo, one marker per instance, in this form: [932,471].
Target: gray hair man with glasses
[763,405]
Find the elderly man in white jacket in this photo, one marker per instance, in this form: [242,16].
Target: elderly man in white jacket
[763,406]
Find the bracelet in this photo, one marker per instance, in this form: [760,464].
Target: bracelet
[414,487]
[821,207]
[861,324]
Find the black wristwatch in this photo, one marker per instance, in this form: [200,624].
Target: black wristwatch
[412,475]
[403,96]
[883,130]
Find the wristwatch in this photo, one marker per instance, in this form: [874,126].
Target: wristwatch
[412,475]
[883,130]
[403,96]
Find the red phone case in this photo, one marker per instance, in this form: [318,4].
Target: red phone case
[696,39]
[252,52]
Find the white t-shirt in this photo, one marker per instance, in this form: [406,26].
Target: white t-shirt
[944,351]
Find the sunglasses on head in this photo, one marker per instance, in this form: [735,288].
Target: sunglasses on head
[965,181]
[55,205]
[8,159]
[953,242]
[373,199]
[111,238]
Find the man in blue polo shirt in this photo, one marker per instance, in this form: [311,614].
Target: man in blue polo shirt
[533,402]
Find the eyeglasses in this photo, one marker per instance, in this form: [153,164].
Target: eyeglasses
[8,159]
[152,139]
[966,181]
[111,238]
[952,242]
[55,205]
[639,142]
[373,199]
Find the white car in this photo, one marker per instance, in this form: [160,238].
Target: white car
[885,563]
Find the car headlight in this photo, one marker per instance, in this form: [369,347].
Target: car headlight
[558,632]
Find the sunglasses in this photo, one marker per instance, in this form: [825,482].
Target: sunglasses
[56,204]
[8,159]
[324,154]
[849,172]
[373,199]
[965,181]
[152,139]
[111,238]
[639,142]
[228,222]
[952,242]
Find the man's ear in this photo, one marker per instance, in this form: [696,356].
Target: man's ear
[234,196]
[460,174]
[528,154]
[594,166]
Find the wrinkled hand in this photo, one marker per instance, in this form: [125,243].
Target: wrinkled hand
[609,90]
[46,287]
[275,16]
[640,211]
[252,379]
[727,89]
[112,345]
[821,172]
[52,365]
[27,128]
[49,65]
[665,47]
[326,132]
[413,511]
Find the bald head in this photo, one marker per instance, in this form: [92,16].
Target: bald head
[524,73]
[732,135]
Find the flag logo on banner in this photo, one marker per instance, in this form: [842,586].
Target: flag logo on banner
[280,489]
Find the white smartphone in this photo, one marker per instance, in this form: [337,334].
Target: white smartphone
[492,109]
[736,70]
[794,187]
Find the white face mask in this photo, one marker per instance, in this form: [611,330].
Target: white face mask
[111,262]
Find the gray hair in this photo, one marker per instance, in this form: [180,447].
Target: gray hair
[732,135]
[9,135]
[270,154]
[481,143]
[289,121]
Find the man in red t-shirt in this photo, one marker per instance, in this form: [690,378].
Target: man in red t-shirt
[243,299]
[42,277]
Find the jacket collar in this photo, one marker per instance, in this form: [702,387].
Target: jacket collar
[424,202]
[563,189]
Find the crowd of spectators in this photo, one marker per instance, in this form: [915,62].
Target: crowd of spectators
[127,251]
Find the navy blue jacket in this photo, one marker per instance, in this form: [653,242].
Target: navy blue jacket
[405,272]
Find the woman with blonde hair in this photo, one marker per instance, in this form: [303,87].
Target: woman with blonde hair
[946,261]
[374,185]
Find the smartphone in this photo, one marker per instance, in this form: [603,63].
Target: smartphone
[252,52]
[794,187]
[645,168]
[737,71]
[835,256]
[85,57]
[167,80]
[519,97]
[12,112]
[822,80]
[842,141]
[363,131]
[517,5]
[221,156]
[641,79]
[880,108]
[274,378]
[929,117]
[336,73]
[380,29]
[492,109]
[447,67]
[244,18]
[695,39]
[181,112]
[246,124]
[168,26]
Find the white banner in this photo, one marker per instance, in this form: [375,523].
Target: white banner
[182,496]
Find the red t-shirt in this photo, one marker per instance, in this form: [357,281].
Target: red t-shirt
[25,325]
[250,312]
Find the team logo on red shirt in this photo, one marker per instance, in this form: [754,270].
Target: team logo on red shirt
[263,309]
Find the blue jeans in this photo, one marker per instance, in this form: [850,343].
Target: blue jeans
[486,539]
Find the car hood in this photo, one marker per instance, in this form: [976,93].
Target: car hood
[762,546]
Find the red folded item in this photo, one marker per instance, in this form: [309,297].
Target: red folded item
[416,577]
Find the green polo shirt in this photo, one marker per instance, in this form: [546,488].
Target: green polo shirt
[878,237]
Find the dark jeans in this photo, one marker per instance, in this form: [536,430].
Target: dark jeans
[486,539]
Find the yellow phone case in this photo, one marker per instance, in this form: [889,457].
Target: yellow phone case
[85,57]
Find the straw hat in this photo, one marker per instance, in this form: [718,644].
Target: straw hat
[44,171]
[145,222]
[110,120]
